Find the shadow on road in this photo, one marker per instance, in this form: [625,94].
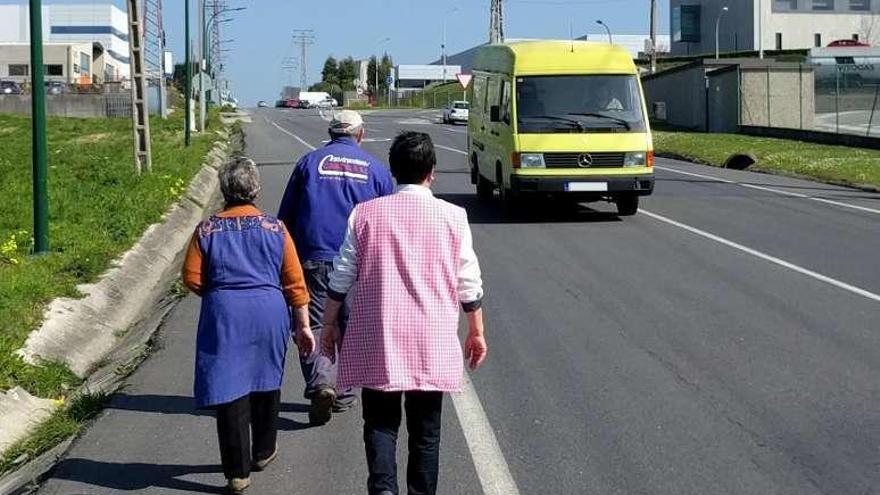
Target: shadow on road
[135,476]
[495,212]
[178,404]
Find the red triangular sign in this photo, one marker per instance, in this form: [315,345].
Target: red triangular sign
[464,79]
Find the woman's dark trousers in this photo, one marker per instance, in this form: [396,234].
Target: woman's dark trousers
[381,423]
[257,413]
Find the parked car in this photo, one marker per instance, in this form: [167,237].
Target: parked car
[55,87]
[262,104]
[327,103]
[280,103]
[10,88]
[292,103]
[457,111]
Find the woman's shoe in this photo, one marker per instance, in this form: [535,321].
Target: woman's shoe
[261,465]
[237,486]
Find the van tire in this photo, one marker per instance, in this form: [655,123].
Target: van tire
[475,170]
[627,205]
[485,189]
[503,192]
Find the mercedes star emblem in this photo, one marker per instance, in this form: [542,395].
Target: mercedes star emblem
[585,160]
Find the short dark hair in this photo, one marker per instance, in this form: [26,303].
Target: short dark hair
[412,157]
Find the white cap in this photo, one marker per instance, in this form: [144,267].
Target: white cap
[346,122]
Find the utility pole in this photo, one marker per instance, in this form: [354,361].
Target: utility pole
[201,41]
[289,65]
[496,23]
[140,112]
[304,38]
[38,128]
[154,50]
[653,36]
[188,85]
[760,29]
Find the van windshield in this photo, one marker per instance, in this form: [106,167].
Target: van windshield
[581,103]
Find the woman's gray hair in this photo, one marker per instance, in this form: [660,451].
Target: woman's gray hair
[240,181]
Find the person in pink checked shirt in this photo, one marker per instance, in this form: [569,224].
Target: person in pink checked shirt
[409,263]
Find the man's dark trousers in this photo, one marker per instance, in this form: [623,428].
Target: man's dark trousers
[317,369]
[381,411]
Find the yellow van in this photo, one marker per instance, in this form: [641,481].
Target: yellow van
[560,118]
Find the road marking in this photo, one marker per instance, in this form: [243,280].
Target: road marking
[447,148]
[486,454]
[294,136]
[489,462]
[456,131]
[766,257]
[771,189]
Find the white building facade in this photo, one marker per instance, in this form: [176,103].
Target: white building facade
[103,25]
[749,25]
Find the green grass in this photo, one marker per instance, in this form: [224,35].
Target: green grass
[65,422]
[98,209]
[834,164]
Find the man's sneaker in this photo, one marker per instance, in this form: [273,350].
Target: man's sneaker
[322,404]
[237,486]
[261,465]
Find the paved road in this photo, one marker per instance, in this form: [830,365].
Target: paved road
[723,341]
[859,122]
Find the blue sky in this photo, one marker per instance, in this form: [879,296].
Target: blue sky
[262,33]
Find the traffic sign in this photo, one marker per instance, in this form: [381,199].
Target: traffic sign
[360,91]
[464,79]
[389,80]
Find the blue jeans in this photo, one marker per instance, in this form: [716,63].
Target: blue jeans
[318,371]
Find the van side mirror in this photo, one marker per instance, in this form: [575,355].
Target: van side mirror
[495,113]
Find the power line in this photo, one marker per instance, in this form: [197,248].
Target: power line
[304,38]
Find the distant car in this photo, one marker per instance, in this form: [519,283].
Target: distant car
[457,111]
[262,104]
[327,103]
[55,88]
[291,103]
[302,104]
[10,88]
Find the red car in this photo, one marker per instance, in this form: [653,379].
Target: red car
[291,103]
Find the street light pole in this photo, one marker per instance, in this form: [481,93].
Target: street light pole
[206,54]
[599,22]
[443,46]
[378,44]
[38,127]
[188,94]
[760,29]
[717,25]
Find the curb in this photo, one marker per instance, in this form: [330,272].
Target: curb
[106,334]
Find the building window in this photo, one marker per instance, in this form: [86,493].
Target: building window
[785,5]
[823,4]
[686,24]
[860,5]
[85,63]
[54,69]
[18,70]
[779,41]
[817,40]
[855,36]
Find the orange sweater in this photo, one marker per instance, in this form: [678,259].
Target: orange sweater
[293,282]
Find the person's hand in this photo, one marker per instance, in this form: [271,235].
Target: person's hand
[475,350]
[305,341]
[330,337]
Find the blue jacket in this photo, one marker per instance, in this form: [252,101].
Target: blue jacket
[323,190]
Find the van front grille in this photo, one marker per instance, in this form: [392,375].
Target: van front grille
[584,160]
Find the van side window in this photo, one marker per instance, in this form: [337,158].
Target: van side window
[479,93]
[505,102]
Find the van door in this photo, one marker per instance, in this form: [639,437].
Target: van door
[477,123]
[500,131]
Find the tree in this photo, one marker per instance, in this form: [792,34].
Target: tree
[868,28]
[385,66]
[330,73]
[347,73]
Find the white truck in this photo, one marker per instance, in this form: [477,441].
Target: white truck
[317,99]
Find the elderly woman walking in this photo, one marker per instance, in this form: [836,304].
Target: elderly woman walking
[244,266]
[408,258]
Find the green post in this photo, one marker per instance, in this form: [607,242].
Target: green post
[188,92]
[38,138]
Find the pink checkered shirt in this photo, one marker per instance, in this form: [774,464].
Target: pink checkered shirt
[403,329]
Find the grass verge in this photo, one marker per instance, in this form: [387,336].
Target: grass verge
[98,209]
[65,422]
[833,164]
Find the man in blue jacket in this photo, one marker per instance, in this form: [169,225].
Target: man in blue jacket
[323,190]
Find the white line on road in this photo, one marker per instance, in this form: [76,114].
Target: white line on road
[294,136]
[447,148]
[772,259]
[771,189]
[488,460]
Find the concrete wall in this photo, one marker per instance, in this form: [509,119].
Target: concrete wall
[683,91]
[791,102]
[71,105]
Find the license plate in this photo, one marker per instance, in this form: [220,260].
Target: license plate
[586,186]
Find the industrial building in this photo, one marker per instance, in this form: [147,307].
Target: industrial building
[752,25]
[67,28]
[416,77]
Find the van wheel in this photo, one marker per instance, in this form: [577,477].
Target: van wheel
[503,192]
[627,205]
[475,170]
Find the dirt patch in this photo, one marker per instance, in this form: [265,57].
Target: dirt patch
[92,138]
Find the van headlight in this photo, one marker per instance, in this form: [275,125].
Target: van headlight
[531,160]
[635,159]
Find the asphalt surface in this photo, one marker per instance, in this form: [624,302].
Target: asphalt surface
[723,342]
